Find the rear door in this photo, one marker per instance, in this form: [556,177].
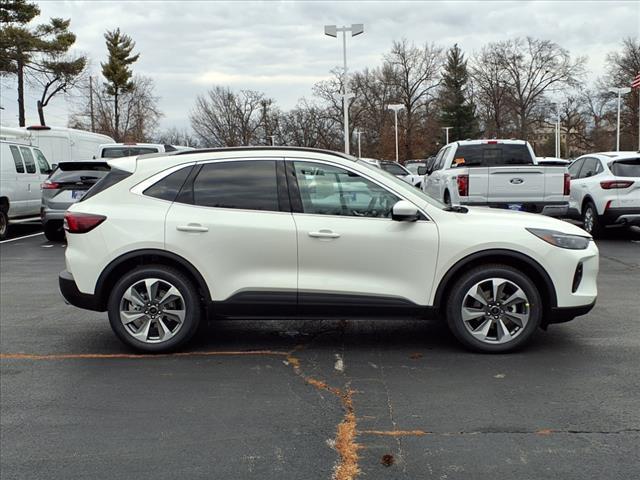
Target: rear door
[233,222]
[19,198]
[32,179]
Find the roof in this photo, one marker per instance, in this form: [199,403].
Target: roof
[611,156]
[264,148]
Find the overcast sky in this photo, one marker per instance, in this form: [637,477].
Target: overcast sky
[279,47]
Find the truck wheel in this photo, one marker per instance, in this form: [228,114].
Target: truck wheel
[591,222]
[493,309]
[4,224]
[53,231]
[154,308]
[447,198]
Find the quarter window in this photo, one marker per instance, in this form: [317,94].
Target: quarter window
[246,184]
[169,187]
[329,190]
[29,162]
[17,159]
[43,165]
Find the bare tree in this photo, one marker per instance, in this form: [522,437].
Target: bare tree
[138,110]
[177,136]
[416,75]
[222,118]
[598,108]
[532,68]
[309,125]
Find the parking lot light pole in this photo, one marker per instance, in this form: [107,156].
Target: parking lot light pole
[619,91]
[332,31]
[358,133]
[396,107]
[557,125]
[446,131]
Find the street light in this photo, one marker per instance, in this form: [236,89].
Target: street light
[619,91]
[358,133]
[396,107]
[446,131]
[332,31]
[557,105]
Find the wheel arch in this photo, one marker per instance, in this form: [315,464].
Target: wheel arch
[523,262]
[127,262]
[4,203]
[587,198]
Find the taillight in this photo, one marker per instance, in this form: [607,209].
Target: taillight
[567,184]
[609,184]
[75,222]
[463,185]
[50,185]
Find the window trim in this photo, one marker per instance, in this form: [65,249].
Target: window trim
[296,199]
[139,188]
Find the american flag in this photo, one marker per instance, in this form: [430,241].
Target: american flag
[636,82]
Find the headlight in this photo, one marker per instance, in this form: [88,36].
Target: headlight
[562,240]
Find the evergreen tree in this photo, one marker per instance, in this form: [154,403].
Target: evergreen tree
[457,111]
[38,52]
[117,71]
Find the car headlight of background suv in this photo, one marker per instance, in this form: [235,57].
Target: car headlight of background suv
[562,240]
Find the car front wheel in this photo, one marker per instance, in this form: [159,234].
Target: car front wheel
[494,309]
[591,221]
[154,309]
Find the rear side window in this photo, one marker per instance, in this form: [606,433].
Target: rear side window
[169,187]
[109,180]
[490,155]
[17,159]
[118,152]
[626,168]
[29,162]
[246,184]
[43,165]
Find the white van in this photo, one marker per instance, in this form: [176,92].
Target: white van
[130,149]
[22,169]
[60,144]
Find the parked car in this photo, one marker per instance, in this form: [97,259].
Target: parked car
[117,150]
[498,173]
[66,185]
[605,190]
[394,168]
[293,232]
[61,144]
[22,169]
[414,166]
[558,162]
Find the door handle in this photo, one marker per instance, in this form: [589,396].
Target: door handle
[192,227]
[324,233]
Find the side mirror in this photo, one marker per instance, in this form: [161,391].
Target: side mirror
[422,170]
[404,211]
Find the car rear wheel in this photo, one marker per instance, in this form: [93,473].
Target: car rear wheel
[53,231]
[4,224]
[154,309]
[494,309]
[591,222]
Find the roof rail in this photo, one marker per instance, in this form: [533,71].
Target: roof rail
[264,148]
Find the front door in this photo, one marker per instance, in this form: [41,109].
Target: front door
[350,251]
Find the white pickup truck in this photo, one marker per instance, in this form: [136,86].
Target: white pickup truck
[497,173]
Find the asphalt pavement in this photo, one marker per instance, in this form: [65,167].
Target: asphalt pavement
[314,399]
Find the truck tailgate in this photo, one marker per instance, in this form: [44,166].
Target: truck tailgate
[525,184]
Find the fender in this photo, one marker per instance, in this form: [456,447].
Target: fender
[492,253]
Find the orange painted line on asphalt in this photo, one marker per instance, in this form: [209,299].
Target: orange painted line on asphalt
[73,356]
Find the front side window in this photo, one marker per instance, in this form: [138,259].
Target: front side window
[589,168]
[29,162]
[329,190]
[242,184]
[43,165]
[17,159]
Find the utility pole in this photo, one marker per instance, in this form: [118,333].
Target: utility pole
[93,122]
[332,31]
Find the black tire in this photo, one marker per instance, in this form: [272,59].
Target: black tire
[484,272]
[53,231]
[192,306]
[4,224]
[591,223]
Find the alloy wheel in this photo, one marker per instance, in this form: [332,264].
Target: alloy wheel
[495,310]
[152,310]
[588,219]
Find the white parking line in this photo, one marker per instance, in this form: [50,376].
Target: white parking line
[21,238]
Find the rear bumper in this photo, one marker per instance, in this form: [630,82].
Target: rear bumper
[622,216]
[75,297]
[551,209]
[48,215]
[566,314]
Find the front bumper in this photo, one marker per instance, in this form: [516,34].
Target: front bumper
[566,314]
[75,297]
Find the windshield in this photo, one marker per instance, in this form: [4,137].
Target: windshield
[626,168]
[413,167]
[393,168]
[403,186]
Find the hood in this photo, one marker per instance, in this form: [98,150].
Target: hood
[530,220]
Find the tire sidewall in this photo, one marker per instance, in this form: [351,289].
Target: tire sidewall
[595,230]
[193,309]
[4,221]
[460,288]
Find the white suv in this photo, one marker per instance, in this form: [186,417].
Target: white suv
[165,242]
[605,190]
